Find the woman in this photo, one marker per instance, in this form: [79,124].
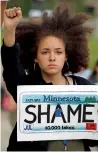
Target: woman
[56,46]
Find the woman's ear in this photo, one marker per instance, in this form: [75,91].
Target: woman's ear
[66,57]
[35,60]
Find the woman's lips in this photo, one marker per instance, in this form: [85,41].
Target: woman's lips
[52,65]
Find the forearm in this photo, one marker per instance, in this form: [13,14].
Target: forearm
[9,37]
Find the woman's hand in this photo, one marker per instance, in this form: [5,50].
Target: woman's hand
[12,17]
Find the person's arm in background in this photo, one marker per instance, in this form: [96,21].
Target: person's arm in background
[8,103]
[3,7]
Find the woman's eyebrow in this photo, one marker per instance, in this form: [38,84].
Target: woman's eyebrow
[58,48]
[50,49]
[45,49]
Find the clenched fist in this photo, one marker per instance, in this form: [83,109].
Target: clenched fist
[12,17]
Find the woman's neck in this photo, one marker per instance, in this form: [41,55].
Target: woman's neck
[56,79]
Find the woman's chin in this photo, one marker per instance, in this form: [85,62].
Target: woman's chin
[52,71]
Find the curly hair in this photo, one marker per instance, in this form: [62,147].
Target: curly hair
[60,24]
[26,38]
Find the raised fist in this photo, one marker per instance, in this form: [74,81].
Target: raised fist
[12,17]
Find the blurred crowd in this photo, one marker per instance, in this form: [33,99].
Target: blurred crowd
[91,75]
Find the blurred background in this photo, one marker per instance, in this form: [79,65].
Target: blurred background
[32,10]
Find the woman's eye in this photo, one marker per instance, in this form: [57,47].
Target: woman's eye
[59,52]
[44,52]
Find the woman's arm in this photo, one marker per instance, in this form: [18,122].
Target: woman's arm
[12,68]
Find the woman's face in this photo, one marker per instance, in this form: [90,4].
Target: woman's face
[51,55]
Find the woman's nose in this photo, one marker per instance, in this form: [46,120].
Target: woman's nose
[52,57]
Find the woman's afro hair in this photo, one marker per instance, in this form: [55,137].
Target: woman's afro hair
[60,23]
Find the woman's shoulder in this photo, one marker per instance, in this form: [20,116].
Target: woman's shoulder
[80,80]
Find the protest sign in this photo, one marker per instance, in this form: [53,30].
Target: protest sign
[57,112]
